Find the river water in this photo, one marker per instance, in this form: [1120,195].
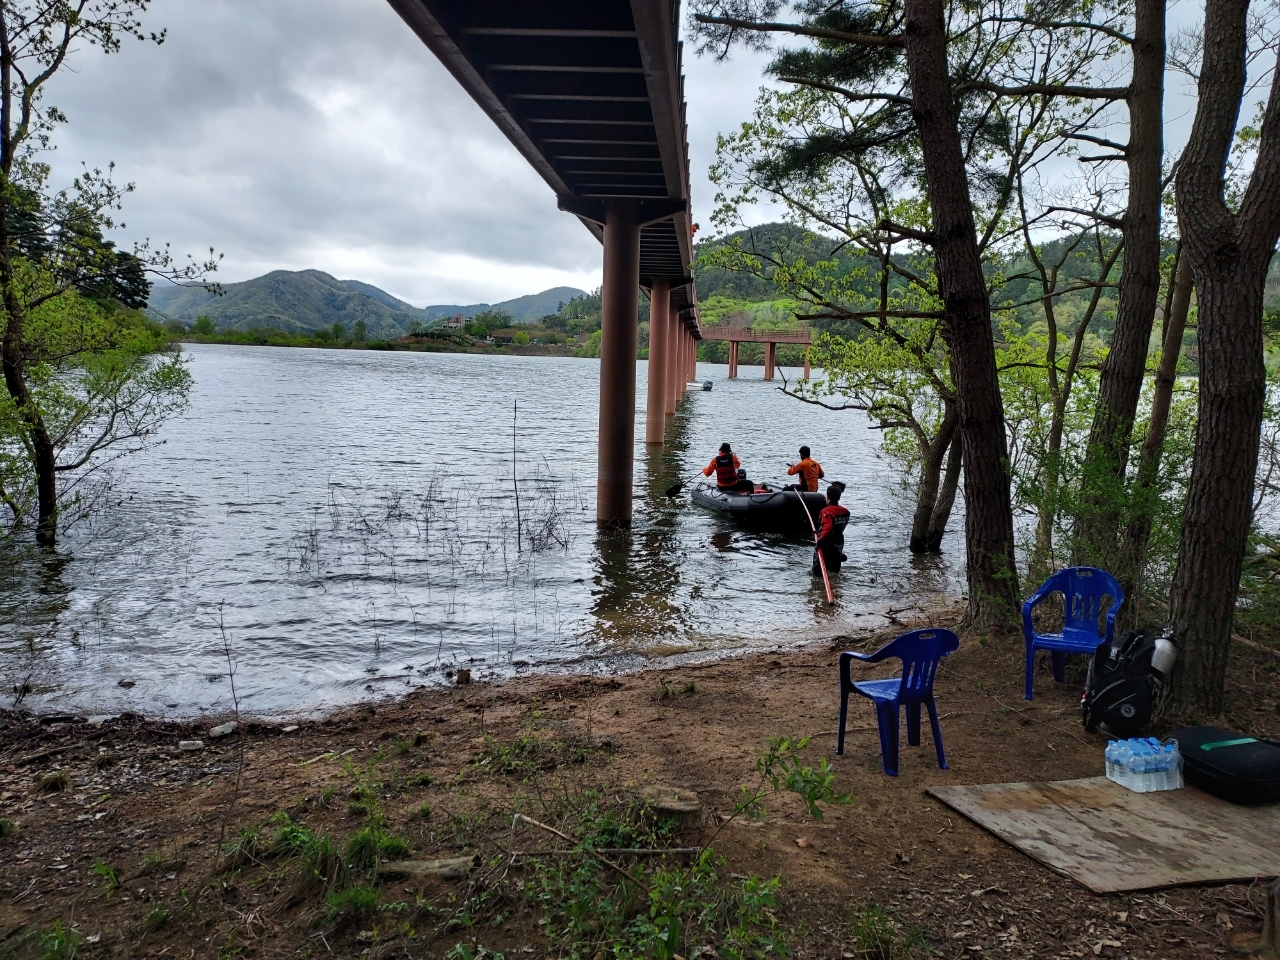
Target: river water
[343,524]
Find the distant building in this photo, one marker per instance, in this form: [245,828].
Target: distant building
[457,322]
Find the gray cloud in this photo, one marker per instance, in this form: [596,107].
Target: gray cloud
[322,133]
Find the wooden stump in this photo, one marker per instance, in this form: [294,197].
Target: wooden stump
[682,806]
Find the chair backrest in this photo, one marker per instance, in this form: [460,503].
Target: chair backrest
[919,651]
[1083,590]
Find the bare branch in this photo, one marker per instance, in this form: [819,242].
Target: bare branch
[800,30]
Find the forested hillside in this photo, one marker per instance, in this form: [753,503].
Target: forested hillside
[307,300]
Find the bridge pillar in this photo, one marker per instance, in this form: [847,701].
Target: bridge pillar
[733,359]
[693,359]
[807,369]
[659,320]
[619,301]
[770,359]
[670,395]
[683,372]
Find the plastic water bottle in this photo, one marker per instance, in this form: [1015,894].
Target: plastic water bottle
[1157,763]
[1122,759]
[1175,765]
[1144,765]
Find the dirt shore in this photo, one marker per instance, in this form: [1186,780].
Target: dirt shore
[123,844]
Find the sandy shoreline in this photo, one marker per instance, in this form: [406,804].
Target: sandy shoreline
[470,755]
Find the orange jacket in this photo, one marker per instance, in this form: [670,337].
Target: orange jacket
[725,467]
[831,523]
[811,470]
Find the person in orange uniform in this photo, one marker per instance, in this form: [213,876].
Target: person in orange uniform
[810,471]
[830,540]
[725,467]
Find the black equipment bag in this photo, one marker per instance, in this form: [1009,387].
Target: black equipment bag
[1230,765]
[1120,692]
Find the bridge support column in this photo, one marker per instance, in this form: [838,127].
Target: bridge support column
[659,319]
[733,359]
[807,369]
[620,296]
[670,396]
[770,359]
[683,377]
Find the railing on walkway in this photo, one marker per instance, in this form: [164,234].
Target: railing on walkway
[770,338]
[752,335]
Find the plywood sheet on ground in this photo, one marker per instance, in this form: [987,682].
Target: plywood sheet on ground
[1111,839]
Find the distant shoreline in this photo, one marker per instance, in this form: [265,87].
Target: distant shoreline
[402,345]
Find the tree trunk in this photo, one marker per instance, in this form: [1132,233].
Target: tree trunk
[1133,552]
[14,364]
[992,575]
[1229,253]
[1042,553]
[1120,387]
[925,536]
[947,495]
[1215,526]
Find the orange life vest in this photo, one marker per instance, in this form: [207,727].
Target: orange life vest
[726,470]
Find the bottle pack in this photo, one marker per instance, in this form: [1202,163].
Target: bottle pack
[1144,765]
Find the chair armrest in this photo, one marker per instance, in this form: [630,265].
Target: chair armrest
[1028,605]
[1111,619]
[864,657]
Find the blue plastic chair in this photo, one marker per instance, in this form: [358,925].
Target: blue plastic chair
[919,651]
[1083,589]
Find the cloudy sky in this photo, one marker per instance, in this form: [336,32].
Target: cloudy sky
[320,133]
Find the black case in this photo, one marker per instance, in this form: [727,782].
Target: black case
[1235,767]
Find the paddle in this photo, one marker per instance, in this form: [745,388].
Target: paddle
[678,486]
[822,561]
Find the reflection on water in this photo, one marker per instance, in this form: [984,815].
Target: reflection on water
[352,512]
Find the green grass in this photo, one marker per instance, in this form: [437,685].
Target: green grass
[242,850]
[422,812]
[105,878]
[155,919]
[59,943]
[372,843]
[877,937]
[351,904]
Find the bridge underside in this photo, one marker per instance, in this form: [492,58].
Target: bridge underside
[591,94]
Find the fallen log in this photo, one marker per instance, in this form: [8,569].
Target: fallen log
[456,868]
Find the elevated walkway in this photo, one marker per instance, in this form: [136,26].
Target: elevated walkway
[770,339]
[592,95]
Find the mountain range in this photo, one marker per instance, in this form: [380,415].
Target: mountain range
[305,300]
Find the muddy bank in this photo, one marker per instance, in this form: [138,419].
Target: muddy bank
[124,844]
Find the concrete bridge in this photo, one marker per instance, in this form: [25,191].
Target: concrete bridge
[770,339]
[592,95]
